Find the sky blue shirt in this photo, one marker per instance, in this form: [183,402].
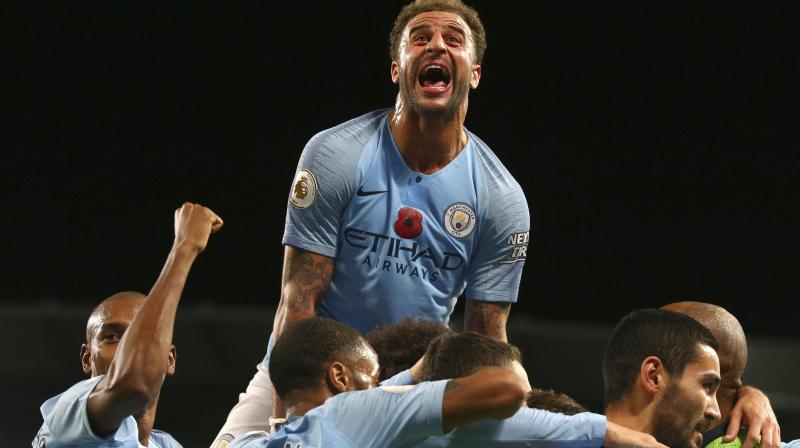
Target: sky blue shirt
[527,428]
[405,243]
[380,417]
[66,424]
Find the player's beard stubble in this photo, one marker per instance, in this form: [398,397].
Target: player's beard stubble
[408,96]
[674,424]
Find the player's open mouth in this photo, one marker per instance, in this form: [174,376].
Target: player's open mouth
[434,78]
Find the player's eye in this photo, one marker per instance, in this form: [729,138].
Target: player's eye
[111,337]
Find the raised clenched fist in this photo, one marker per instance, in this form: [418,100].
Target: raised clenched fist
[193,225]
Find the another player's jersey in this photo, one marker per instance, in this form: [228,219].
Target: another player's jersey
[405,243]
[528,428]
[66,424]
[380,417]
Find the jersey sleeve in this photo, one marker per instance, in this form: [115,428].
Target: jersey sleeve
[496,268]
[68,419]
[322,186]
[389,416]
[403,378]
[530,428]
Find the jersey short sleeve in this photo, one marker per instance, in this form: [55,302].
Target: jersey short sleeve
[529,428]
[388,416]
[66,421]
[504,232]
[403,378]
[324,183]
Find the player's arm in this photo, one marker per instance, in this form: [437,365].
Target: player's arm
[137,371]
[753,409]
[306,277]
[487,318]
[492,392]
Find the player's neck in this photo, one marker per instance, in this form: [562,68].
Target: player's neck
[145,420]
[428,144]
[631,414]
[299,402]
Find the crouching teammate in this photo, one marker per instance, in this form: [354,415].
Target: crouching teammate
[128,352]
[322,369]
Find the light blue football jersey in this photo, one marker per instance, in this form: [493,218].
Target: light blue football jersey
[381,417]
[528,428]
[66,424]
[405,243]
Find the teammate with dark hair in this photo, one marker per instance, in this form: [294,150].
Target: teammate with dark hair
[128,352]
[661,374]
[324,372]
[400,345]
[398,212]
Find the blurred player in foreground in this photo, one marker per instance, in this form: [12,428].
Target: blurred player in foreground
[128,352]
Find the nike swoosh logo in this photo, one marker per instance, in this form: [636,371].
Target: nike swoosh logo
[361,192]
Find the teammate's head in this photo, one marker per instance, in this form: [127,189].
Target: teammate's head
[402,344]
[321,354]
[664,366]
[436,48]
[732,349]
[454,355]
[552,401]
[104,330]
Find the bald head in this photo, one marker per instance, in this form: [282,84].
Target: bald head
[732,346]
[126,300]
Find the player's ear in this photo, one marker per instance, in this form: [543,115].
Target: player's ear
[652,375]
[86,359]
[338,378]
[475,76]
[173,356]
[395,72]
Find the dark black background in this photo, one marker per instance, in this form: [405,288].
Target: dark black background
[655,143]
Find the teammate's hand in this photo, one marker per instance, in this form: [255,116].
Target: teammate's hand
[752,407]
[193,225]
[621,437]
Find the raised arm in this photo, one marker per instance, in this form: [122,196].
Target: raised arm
[487,318]
[492,392]
[137,371]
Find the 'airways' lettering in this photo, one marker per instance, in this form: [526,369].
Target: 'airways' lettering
[374,242]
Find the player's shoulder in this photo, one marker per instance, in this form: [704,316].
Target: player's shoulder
[495,174]
[164,439]
[348,135]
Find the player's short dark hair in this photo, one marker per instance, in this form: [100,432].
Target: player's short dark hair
[402,344]
[670,336]
[412,10]
[453,355]
[552,401]
[302,354]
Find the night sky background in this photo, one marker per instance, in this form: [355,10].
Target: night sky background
[656,143]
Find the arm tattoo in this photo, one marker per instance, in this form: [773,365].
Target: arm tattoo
[487,318]
[307,278]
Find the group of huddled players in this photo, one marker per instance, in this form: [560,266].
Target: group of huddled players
[391,217]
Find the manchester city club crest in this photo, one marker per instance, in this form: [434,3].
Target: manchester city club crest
[459,220]
[304,189]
